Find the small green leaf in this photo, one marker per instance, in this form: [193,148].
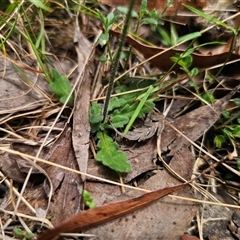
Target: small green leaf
[193,84]
[119,121]
[123,55]
[102,58]
[143,7]
[96,116]
[194,72]
[110,17]
[30,235]
[237,101]
[88,199]
[103,39]
[18,231]
[236,131]
[219,140]
[138,109]
[228,133]
[150,21]
[102,17]
[226,114]
[187,61]
[10,7]
[174,34]
[61,86]
[164,36]
[208,96]
[116,103]
[210,18]
[110,156]
[189,37]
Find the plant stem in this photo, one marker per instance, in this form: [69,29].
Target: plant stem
[116,60]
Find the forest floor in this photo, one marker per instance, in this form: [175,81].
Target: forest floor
[118,124]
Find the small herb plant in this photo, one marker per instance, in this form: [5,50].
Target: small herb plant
[61,86]
[122,110]
[88,199]
[107,23]
[230,130]
[23,235]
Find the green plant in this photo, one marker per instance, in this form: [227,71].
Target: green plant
[23,234]
[227,134]
[88,199]
[185,62]
[61,86]
[107,23]
[210,18]
[229,130]
[151,18]
[123,110]
[109,155]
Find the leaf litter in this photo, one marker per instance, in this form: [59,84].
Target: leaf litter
[73,153]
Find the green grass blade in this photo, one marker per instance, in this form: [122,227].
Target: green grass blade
[210,18]
[138,109]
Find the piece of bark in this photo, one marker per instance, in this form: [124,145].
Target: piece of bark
[67,185]
[81,125]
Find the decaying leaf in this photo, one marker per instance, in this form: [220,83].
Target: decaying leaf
[163,60]
[149,128]
[193,125]
[81,125]
[21,89]
[67,185]
[15,167]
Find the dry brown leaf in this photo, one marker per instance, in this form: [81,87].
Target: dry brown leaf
[105,213]
[15,167]
[163,61]
[67,185]
[21,89]
[193,125]
[176,6]
[150,126]
[81,125]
